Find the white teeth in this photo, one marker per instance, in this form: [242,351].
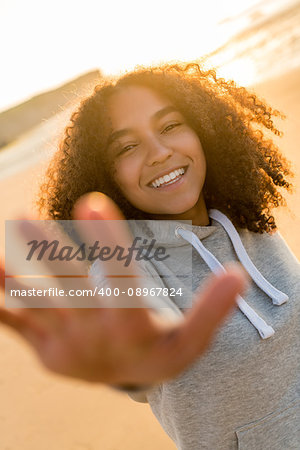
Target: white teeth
[167,178]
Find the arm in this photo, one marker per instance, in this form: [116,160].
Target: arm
[123,346]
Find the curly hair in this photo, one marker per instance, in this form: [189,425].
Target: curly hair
[244,166]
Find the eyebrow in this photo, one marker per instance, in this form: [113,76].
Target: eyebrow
[158,115]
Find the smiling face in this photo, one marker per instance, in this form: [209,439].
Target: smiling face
[158,160]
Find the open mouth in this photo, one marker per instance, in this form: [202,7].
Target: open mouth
[167,180]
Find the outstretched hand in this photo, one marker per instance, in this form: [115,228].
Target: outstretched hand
[123,345]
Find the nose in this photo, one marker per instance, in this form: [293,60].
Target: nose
[157,152]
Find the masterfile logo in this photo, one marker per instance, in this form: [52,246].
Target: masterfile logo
[54,250]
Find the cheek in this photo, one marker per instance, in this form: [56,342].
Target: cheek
[198,152]
[202,161]
[126,175]
[191,144]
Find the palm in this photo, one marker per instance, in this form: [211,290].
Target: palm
[123,345]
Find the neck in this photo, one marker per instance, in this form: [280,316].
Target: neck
[197,214]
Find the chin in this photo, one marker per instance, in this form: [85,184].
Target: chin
[187,206]
[176,211]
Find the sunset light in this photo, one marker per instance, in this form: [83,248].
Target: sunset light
[48,43]
[241,70]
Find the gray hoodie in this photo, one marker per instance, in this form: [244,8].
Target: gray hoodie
[244,392]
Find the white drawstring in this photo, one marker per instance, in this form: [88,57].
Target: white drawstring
[265,330]
[278,297]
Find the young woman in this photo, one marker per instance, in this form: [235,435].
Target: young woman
[191,156]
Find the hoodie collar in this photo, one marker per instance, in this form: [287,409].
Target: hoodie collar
[171,233]
[165,231]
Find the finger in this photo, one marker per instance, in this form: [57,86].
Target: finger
[100,220]
[183,343]
[58,269]
[24,326]
[50,317]
[29,309]
[56,255]
[14,287]
[215,300]
[98,203]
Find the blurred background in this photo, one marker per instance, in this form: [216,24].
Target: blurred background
[52,54]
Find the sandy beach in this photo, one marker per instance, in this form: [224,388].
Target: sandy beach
[43,411]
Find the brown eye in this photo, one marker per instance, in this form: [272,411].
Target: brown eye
[127,148]
[171,127]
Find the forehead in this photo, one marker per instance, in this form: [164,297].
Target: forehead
[134,103]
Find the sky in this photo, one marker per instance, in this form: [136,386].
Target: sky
[45,43]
